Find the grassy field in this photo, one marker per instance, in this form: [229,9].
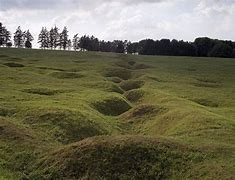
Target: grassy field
[74,115]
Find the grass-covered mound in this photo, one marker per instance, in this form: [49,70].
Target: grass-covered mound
[113,105]
[16,148]
[134,95]
[141,110]
[114,88]
[11,131]
[115,79]
[62,124]
[124,157]
[131,84]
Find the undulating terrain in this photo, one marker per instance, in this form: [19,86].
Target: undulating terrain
[87,115]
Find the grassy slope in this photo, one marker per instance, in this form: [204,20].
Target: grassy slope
[59,98]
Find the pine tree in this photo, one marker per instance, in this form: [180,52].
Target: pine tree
[1,34]
[28,38]
[54,37]
[75,42]
[5,35]
[51,38]
[43,38]
[19,38]
[64,39]
[69,44]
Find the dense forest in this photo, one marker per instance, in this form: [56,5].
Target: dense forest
[54,39]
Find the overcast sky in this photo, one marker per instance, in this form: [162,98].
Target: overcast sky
[124,19]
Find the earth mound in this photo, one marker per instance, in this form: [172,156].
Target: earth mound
[115,79]
[144,110]
[63,125]
[134,95]
[122,157]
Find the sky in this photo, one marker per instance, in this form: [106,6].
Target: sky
[124,19]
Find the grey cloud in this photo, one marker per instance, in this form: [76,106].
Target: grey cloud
[62,4]
[124,19]
[28,4]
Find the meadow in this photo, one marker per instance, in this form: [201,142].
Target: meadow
[93,115]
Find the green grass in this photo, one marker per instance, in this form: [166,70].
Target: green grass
[81,115]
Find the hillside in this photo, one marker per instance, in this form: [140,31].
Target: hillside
[81,115]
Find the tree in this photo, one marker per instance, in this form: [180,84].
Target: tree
[204,45]
[221,50]
[182,48]
[147,47]
[1,34]
[75,42]
[9,44]
[94,44]
[64,38]
[89,43]
[105,46]
[132,47]
[233,54]
[84,42]
[165,47]
[28,38]
[119,46]
[19,38]
[175,47]
[69,44]
[56,37]
[43,38]
[53,38]
[5,35]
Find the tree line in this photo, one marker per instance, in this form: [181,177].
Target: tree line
[54,39]
[22,39]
